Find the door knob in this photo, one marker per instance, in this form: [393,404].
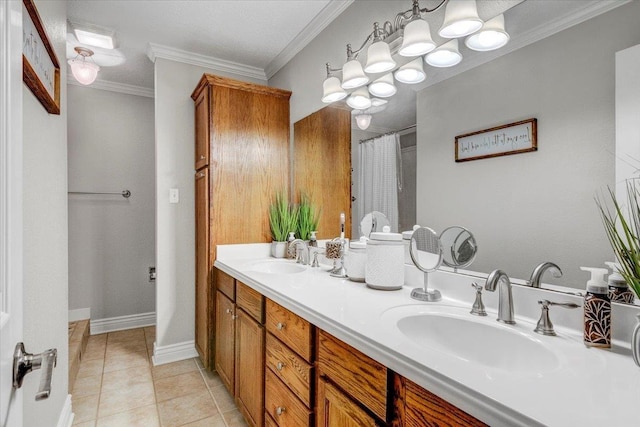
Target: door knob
[24,362]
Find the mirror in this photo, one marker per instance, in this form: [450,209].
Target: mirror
[373,222]
[459,247]
[425,249]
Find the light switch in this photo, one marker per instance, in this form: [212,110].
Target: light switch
[174,195]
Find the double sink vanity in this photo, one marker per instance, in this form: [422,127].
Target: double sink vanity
[370,357]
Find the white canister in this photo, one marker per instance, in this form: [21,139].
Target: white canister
[355,260]
[385,261]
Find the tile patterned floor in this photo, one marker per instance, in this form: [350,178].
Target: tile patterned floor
[118,386]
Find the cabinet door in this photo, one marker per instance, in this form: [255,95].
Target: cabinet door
[225,340]
[250,368]
[202,129]
[335,409]
[202,310]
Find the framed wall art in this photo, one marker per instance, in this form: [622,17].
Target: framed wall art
[40,67]
[513,138]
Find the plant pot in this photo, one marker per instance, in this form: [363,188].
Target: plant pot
[278,249]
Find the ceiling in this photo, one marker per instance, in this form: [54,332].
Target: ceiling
[263,35]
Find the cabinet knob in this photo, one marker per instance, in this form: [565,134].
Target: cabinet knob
[200,175]
[280,410]
[279,366]
[202,157]
[280,326]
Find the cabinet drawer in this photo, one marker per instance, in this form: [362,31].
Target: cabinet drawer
[291,329]
[290,368]
[251,301]
[285,409]
[268,421]
[225,284]
[357,374]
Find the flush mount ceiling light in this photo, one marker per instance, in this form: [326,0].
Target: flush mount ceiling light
[363,121]
[383,87]
[359,99]
[446,55]
[85,72]
[491,36]
[94,35]
[409,36]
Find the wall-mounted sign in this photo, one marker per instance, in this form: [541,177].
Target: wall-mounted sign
[514,138]
[40,68]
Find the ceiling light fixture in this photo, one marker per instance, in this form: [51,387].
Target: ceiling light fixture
[363,121]
[85,72]
[385,51]
[94,35]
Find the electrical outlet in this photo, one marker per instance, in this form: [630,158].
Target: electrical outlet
[174,195]
[152,274]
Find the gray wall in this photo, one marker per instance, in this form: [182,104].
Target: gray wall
[407,195]
[45,239]
[111,239]
[532,207]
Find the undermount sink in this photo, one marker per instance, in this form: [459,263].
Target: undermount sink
[452,330]
[277,267]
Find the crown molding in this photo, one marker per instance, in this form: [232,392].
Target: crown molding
[330,12]
[595,8]
[155,51]
[114,87]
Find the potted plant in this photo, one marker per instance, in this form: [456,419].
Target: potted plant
[623,231]
[308,217]
[283,219]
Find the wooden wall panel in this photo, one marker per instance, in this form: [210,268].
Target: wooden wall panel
[322,166]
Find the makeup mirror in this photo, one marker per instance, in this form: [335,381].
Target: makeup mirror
[459,247]
[426,253]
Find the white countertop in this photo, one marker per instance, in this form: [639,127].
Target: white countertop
[590,387]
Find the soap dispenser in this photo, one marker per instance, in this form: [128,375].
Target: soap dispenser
[313,240]
[618,289]
[597,310]
[291,250]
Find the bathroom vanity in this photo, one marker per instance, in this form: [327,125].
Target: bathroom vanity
[333,352]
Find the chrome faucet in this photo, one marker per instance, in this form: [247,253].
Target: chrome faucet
[302,256]
[534,281]
[505,300]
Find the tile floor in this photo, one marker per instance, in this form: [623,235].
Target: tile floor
[117,385]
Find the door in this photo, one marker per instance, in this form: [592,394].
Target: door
[225,340]
[250,367]
[10,206]
[203,272]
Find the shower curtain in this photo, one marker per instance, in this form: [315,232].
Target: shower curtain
[378,190]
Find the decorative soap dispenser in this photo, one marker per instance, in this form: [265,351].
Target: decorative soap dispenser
[313,240]
[597,310]
[291,250]
[618,289]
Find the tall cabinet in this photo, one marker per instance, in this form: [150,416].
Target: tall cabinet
[241,160]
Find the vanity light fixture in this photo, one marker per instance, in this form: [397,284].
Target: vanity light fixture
[331,88]
[377,102]
[359,99]
[460,19]
[491,36]
[446,55]
[409,36]
[363,121]
[383,87]
[411,73]
[85,72]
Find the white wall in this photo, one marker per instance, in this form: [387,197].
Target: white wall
[627,118]
[45,231]
[175,223]
[529,208]
[111,239]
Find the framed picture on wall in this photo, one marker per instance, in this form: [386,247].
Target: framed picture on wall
[40,67]
[513,138]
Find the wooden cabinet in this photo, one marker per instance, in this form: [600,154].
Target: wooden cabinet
[416,407]
[225,341]
[250,368]
[336,409]
[322,166]
[241,160]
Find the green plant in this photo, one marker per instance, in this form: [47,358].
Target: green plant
[283,217]
[308,217]
[623,232]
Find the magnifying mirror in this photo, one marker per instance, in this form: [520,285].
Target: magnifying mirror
[459,247]
[373,222]
[426,253]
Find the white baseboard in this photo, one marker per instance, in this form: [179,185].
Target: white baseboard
[100,326]
[173,352]
[66,415]
[79,314]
